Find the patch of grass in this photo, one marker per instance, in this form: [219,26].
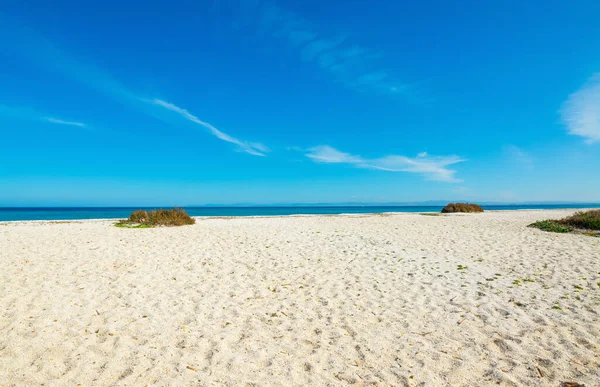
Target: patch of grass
[556,307]
[160,217]
[462,207]
[551,226]
[585,220]
[131,225]
[461,267]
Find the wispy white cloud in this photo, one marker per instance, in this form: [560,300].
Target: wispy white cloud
[519,156]
[63,122]
[41,51]
[581,112]
[256,149]
[26,113]
[349,63]
[299,37]
[323,47]
[432,167]
[327,154]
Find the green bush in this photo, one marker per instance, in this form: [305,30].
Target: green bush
[551,225]
[160,217]
[462,207]
[582,220]
[587,220]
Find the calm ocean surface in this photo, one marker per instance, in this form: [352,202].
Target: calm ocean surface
[70,213]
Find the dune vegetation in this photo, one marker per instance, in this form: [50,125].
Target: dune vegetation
[587,220]
[462,207]
[582,221]
[159,217]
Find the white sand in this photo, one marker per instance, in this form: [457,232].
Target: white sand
[307,301]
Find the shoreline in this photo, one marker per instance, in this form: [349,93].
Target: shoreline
[205,217]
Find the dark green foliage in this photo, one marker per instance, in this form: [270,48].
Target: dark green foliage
[583,220]
[587,220]
[462,207]
[551,225]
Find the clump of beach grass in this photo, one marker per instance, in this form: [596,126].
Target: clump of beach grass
[125,224]
[462,207]
[551,226]
[160,217]
[582,221]
[585,220]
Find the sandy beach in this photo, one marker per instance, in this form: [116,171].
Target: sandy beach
[388,300]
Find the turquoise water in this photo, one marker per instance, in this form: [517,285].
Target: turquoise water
[73,213]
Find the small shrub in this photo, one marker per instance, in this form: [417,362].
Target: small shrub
[551,226]
[160,217]
[583,221]
[587,220]
[462,207]
[174,217]
[139,216]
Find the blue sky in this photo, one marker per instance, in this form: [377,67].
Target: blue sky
[183,102]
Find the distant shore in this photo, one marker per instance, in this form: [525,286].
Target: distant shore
[391,299]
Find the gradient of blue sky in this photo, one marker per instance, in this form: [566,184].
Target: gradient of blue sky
[228,101]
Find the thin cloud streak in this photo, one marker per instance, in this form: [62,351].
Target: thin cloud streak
[327,154]
[40,50]
[255,149]
[63,122]
[581,112]
[26,113]
[432,167]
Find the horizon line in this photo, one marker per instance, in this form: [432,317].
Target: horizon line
[431,203]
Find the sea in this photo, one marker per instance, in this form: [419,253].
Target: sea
[78,213]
